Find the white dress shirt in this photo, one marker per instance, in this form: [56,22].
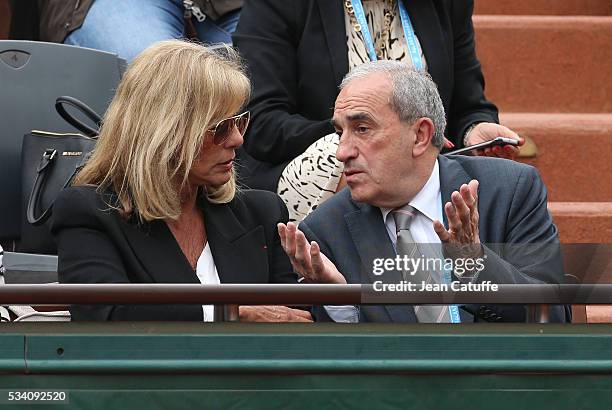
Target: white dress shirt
[207,274]
[428,203]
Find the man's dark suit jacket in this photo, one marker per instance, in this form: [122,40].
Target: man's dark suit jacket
[96,245]
[297,55]
[512,209]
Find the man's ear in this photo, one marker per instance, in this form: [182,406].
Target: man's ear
[424,131]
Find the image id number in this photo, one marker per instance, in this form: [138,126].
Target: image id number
[29,396]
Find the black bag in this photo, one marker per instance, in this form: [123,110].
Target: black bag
[49,163]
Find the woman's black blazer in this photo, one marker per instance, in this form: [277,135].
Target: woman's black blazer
[296,51]
[96,245]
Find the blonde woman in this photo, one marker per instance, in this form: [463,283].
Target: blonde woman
[157,202]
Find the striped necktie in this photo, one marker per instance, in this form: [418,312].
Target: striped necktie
[406,246]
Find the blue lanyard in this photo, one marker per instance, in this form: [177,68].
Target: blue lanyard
[365,29]
[415,52]
[453,310]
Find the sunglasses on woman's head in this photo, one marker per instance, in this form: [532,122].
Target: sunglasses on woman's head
[221,132]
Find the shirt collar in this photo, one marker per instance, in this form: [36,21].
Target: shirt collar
[427,200]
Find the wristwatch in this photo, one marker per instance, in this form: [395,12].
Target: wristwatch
[467,133]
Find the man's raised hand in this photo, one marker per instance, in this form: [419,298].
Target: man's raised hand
[462,239]
[306,258]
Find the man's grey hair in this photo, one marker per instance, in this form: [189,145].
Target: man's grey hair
[413,94]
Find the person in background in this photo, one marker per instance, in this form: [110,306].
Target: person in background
[157,201]
[299,50]
[127,27]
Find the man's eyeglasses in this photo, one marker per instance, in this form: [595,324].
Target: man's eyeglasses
[221,132]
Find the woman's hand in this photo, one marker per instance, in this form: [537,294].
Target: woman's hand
[273,314]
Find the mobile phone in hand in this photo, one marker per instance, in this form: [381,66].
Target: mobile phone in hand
[496,142]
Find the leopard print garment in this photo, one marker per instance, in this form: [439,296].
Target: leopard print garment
[310,178]
[313,176]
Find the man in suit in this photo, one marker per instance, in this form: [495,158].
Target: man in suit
[390,121]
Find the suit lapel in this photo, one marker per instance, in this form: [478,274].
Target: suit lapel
[158,252]
[240,254]
[372,241]
[452,176]
[332,12]
[426,23]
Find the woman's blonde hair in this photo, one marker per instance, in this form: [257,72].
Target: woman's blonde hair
[155,126]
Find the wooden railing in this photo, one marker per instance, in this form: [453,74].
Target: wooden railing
[294,294]
[228,297]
